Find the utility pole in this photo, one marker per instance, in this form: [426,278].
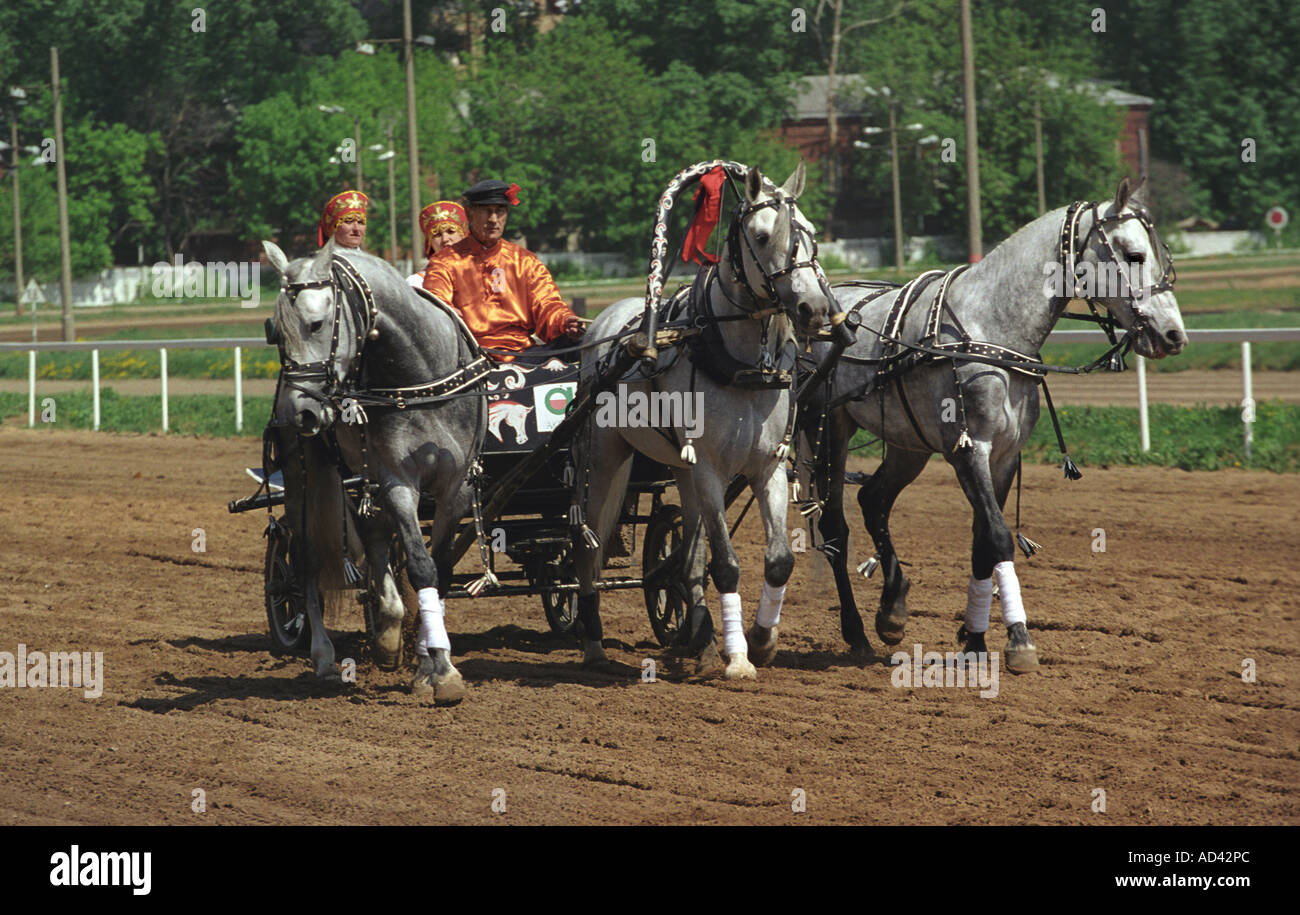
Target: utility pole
[65,244]
[18,219]
[972,149]
[392,194]
[898,207]
[412,141]
[1038,155]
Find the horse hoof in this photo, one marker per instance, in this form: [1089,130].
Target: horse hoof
[891,623]
[739,668]
[593,654]
[386,646]
[890,629]
[329,673]
[762,644]
[708,665]
[971,641]
[447,689]
[1021,656]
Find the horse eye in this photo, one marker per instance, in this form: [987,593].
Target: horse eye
[762,238]
[316,325]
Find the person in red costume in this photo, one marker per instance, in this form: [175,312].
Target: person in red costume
[504,292]
[344,220]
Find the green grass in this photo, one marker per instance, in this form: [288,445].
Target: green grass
[199,414]
[1189,438]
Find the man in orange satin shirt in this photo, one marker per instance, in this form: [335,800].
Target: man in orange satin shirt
[504,292]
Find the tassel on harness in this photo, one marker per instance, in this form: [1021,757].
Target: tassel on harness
[1072,472]
[688,452]
[1027,546]
[868,568]
[488,579]
[351,574]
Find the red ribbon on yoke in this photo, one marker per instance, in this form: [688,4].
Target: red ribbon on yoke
[707,212]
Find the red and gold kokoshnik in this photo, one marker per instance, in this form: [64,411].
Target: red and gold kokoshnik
[340,205]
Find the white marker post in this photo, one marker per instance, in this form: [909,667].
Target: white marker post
[239,393]
[1248,397]
[31,389]
[94,386]
[162,366]
[1144,426]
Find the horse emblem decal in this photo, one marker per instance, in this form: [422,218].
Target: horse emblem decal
[513,414]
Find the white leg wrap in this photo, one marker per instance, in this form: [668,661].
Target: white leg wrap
[979,597]
[433,632]
[733,633]
[769,605]
[1013,609]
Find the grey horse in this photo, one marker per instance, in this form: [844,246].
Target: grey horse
[406,448]
[743,431]
[979,415]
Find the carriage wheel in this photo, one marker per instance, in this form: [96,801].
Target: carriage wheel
[561,607]
[661,567]
[286,606]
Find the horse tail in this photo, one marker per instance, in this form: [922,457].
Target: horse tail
[328,514]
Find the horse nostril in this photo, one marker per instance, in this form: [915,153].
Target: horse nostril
[805,311]
[307,422]
[1174,337]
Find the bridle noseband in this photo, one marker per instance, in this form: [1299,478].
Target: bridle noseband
[797,232]
[1072,249]
[319,380]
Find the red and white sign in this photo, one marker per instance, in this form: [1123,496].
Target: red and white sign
[1276,219]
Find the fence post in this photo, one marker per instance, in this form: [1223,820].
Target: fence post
[31,389]
[1248,397]
[94,386]
[162,366]
[1144,425]
[239,392]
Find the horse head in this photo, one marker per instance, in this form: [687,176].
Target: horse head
[768,239]
[1134,274]
[312,355]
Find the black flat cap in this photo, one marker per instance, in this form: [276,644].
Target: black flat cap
[493,193]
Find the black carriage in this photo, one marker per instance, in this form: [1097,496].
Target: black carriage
[530,529]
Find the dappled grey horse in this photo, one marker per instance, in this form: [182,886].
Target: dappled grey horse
[978,410]
[766,286]
[388,378]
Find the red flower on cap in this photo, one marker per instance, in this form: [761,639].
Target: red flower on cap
[512,194]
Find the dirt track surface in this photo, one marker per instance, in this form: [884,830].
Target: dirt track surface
[1140,692]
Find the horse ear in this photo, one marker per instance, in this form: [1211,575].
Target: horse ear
[753,183]
[1138,192]
[1124,192]
[795,183]
[318,271]
[275,257]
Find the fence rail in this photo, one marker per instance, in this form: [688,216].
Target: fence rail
[1244,336]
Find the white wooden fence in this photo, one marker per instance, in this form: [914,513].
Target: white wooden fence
[1243,336]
